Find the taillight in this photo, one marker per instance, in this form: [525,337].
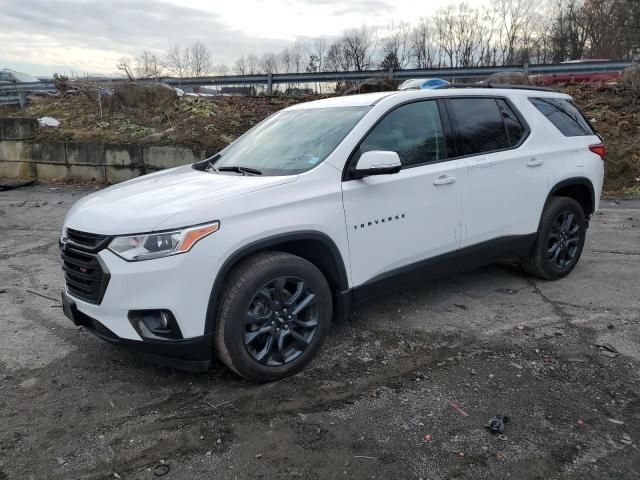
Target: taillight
[599,150]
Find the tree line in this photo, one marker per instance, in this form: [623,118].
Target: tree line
[504,32]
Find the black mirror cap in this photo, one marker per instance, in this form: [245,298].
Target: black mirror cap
[359,174]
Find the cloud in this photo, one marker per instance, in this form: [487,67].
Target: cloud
[92,36]
[363,7]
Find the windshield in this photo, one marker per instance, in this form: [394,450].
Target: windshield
[24,77]
[292,141]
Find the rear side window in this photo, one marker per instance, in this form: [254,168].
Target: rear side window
[564,115]
[515,129]
[480,125]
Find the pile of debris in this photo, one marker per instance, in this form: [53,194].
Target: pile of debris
[155,114]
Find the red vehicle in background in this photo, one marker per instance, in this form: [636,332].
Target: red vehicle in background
[576,77]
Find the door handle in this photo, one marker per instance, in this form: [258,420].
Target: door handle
[535,162]
[444,180]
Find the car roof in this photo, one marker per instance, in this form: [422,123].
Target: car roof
[400,96]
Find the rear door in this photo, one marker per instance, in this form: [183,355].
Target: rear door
[505,180]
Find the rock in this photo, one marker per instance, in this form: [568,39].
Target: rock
[509,78]
[219,441]
[29,383]
[133,95]
[258,456]
[379,84]
[208,454]
[61,461]
[491,376]
[616,422]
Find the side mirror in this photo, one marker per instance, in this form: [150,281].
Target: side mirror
[377,162]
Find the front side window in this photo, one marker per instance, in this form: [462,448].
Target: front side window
[413,131]
[564,115]
[480,125]
[292,141]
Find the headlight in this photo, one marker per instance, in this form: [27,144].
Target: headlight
[162,244]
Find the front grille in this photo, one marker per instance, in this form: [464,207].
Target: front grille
[85,274]
[89,241]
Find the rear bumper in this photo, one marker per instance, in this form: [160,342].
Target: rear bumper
[193,354]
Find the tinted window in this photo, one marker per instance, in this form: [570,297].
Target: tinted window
[515,129]
[564,115]
[413,131]
[480,125]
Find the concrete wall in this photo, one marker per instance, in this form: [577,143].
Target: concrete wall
[23,157]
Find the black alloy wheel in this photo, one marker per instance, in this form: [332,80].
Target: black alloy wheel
[560,240]
[275,313]
[564,240]
[281,321]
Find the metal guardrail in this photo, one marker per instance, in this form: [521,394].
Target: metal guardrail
[278,78]
[16,94]
[448,73]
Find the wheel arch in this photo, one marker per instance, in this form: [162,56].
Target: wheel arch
[580,189]
[316,247]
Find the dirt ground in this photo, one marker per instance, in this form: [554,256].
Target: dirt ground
[487,342]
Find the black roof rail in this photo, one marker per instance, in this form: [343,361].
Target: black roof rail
[496,85]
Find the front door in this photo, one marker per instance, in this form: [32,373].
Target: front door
[395,221]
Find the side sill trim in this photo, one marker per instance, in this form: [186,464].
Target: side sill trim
[446,265]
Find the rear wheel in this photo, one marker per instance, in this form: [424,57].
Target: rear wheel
[274,316]
[560,240]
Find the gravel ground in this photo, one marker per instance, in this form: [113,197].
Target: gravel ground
[403,390]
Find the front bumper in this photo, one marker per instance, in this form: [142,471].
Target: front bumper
[194,354]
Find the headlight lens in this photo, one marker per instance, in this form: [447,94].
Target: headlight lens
[162,244]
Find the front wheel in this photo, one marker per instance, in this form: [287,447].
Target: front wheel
[274,316]
[560,240]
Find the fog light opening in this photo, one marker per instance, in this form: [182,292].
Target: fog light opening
[155,324]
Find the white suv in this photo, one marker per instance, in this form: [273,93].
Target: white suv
[251,253]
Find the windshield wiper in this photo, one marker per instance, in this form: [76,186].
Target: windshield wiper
[238,169]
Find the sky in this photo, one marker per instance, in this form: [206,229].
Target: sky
[43,37]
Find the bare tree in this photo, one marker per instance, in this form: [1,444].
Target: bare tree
[220,69]
[318,48]
[240,66]
[445,21]
[199,60]
[124,66]
[177,60]
[514,17]
[252,64]
[397,46]
[337,60]
[269,63]
[424,44]
[148,65]
[358,46]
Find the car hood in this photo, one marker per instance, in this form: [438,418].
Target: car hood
[141,204]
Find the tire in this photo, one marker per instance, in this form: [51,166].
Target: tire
[559,245]
[253,313]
